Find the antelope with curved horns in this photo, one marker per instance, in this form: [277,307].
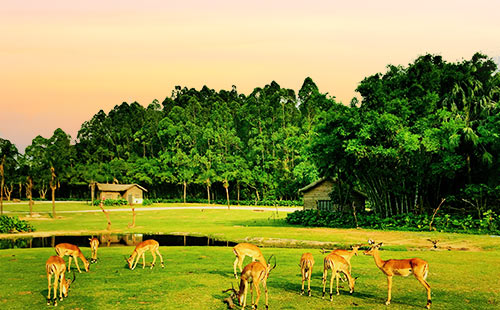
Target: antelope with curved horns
[246,249]
[338,265]
[254,273]
[140,250]
[72,251]
[401,267]
[56,266]
[306,267]
[94,245]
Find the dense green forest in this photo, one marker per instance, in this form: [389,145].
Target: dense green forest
[419,134]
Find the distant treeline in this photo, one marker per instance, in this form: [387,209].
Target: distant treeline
[419,134]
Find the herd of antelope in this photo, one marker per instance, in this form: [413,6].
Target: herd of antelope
[252,275]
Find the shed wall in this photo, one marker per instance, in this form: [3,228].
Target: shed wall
[320,192]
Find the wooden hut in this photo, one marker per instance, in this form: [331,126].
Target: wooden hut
[133,193]
[317,196]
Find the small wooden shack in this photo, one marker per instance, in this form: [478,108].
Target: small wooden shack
[317,196]
[133,193]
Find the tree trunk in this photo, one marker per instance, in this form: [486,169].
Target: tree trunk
[208,190]
[238,186]
[29,193]
[226,186]
[92,191]
[185,189]
[53,186]
[8,192]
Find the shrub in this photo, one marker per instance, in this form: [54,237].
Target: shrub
[147,202]
[488,224]
[13,224]
[112,202]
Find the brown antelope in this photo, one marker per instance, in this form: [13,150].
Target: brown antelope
[306,267]
[401,267]
[246,249]
[254,273]
[94,245]
[338,265]
[140,250]
[56,266]
[72,251]
[346,254]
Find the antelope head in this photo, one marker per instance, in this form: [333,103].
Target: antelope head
[373,247]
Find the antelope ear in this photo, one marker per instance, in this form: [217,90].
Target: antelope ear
[380,244]
[370,241]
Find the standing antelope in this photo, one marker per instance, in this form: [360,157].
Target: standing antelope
[246,249]
[338,265]
[72,251]
[94,245]
[56,266]
[140,250]
[306,267]
[254,273]
[401,267]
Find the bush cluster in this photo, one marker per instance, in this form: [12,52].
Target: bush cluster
[147,202]
[488,224]
[13,224]
[112,202]
[279,203]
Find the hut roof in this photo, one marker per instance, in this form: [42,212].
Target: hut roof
[117,187]
[313,185]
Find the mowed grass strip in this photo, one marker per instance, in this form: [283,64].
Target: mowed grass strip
[195,276]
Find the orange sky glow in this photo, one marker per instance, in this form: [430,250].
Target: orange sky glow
[63,61]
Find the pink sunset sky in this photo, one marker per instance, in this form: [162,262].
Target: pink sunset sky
[63,61]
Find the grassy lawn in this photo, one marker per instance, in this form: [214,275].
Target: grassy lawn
[195,276]
[264,228]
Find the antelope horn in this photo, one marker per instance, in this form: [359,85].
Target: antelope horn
[270,261]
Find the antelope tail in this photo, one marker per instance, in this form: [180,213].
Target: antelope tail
[426,271]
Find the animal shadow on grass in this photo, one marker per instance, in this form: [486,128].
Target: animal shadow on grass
[225,274]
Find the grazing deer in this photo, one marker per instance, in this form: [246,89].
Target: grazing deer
[401,267]
[140,250]
[56,266]
[338,265]
[306,267]
[72,251]
[94,245]
[246,249]
[254,274]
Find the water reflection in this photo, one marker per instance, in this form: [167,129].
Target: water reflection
[112,240]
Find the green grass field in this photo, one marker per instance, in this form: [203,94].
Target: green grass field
[195,276]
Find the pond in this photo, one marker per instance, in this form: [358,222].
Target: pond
[112,240]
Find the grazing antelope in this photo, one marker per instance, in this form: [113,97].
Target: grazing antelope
[56,266]
[254,273]
[72,251]
[140,250]
[306,267]
[401,267]
[246,249]
[338,265]
[94,245]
